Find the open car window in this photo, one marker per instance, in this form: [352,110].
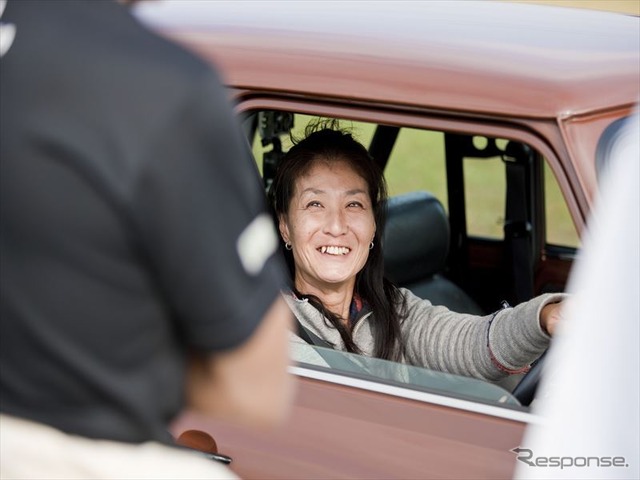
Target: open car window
[402,375]
[499,194]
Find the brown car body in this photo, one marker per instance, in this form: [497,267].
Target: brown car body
[551,77]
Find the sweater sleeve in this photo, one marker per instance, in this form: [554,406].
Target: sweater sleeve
[486,347]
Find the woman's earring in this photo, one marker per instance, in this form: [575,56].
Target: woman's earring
[371,246]
[287,245]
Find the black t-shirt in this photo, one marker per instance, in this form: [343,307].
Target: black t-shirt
[125,190]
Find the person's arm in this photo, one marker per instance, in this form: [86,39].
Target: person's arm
[246,384]
[200,218]
[488,347]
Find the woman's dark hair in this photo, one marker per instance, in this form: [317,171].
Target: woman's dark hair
[325,141]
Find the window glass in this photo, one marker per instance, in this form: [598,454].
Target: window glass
[400,374]
[485,195]
[417,162]
[560,227]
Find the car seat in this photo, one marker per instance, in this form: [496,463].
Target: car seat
[416,244]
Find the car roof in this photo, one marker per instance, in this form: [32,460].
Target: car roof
[485,57]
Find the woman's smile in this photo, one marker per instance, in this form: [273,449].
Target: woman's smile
[331,250]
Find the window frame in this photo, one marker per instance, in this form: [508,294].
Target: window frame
[418,119]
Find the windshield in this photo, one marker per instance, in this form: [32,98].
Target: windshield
[402,375]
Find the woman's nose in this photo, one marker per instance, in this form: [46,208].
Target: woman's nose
[336,223]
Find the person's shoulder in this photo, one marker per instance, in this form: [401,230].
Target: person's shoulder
[407,294]
[294,302]
[411,301]
[152,51]
[154,47]
[158,72]
[114,32]
[104,30]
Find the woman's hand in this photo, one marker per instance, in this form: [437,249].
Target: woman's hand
[550,315]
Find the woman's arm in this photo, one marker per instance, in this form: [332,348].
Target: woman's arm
[486,347]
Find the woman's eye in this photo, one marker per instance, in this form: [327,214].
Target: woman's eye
[355,204]
[313,203]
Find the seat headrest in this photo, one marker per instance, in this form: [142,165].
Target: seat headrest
[416,237]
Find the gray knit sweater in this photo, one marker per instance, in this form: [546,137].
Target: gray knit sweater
[488,347]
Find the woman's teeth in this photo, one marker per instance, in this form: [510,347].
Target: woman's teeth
[335,250]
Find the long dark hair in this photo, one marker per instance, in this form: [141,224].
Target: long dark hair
[325,141]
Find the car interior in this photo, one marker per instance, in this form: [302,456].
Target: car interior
[431,246]
[416,243]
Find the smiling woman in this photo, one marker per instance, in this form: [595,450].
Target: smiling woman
[329,197]
[329,227]
[329,224]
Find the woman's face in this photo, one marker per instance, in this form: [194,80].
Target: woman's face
[330,225]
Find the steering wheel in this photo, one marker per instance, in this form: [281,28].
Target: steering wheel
[526,388]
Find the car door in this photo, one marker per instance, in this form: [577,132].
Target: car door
[358,417]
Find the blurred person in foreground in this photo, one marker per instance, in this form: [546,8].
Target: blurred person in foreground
[589,396]
[329,197]
[137,271]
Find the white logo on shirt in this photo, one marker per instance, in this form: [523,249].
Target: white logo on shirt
[7,31]
[257,243]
